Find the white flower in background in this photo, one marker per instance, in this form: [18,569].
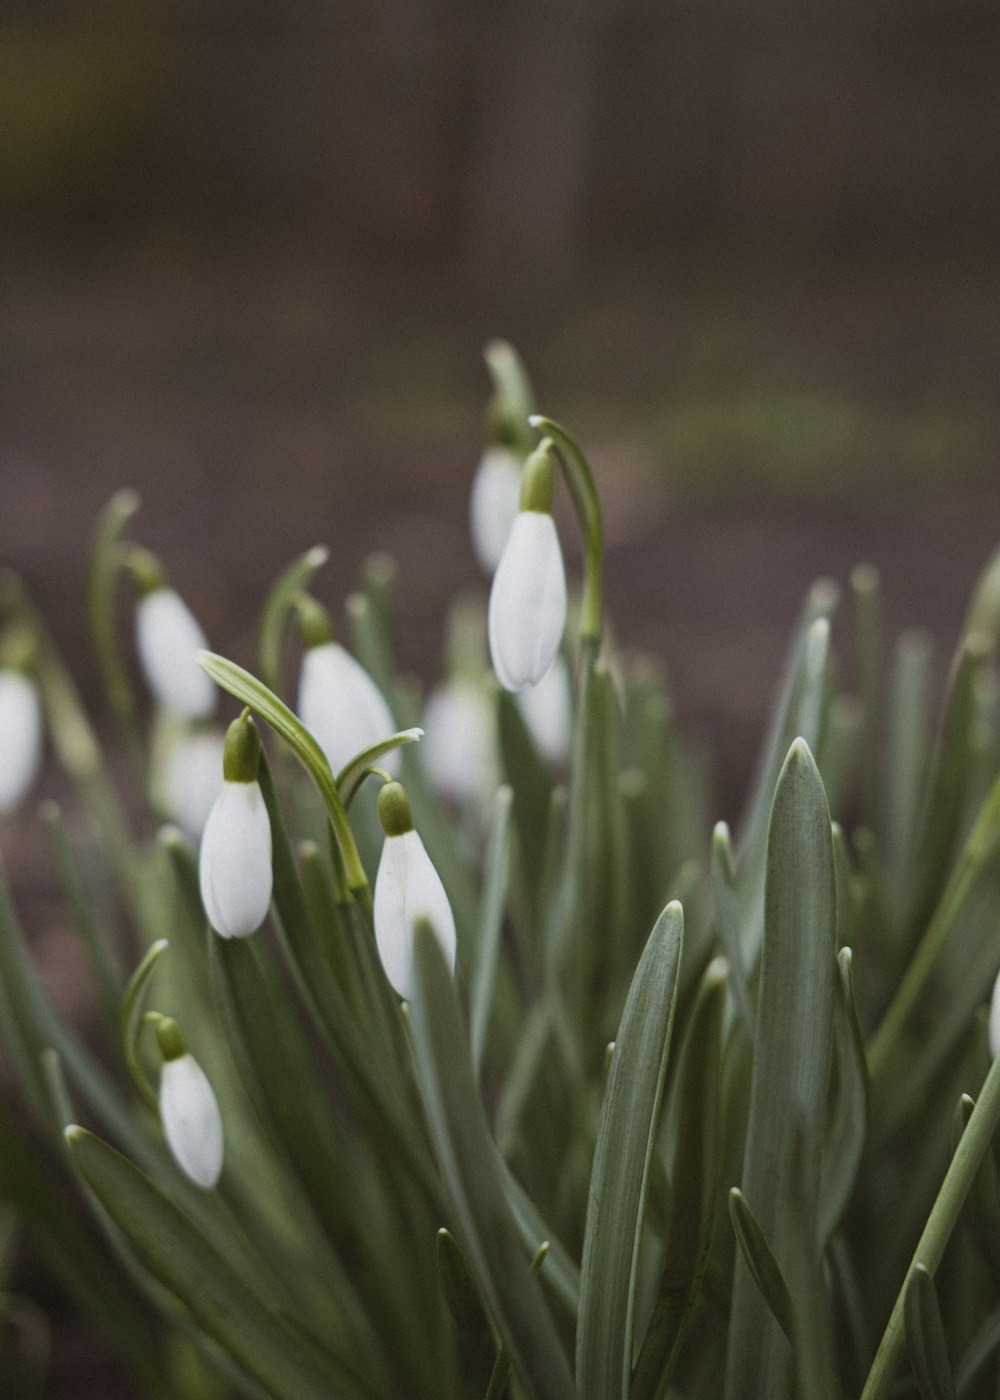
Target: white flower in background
[459,747]
[547,710]
[407,888]
[527,612]
[169,637]
[342,707]
[493,503]
[189,1111]
[189,782]
[234,865]
[994,1021]
[20,737]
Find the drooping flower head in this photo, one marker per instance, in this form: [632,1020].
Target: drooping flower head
[21,726]
[527,611]
[169,638]
[407,888]
[234,867]
[339,703]
[189,1110]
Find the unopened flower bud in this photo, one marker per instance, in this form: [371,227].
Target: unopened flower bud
[407,888]
[189,1111]
[493,503]
[169,637]
[341,706]
[235,862]
[20,737]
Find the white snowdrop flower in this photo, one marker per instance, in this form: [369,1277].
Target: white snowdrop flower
[459,746]
[527,611]
[407,888]
[169,637]
[235,861]
[20,737]
[189,1111]
[493,503]
[342,707]
[547,711]
[189,782]
[994,1021]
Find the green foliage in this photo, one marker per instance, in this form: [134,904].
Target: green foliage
[625,1150]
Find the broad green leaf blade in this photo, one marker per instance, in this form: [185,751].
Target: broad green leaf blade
[625,1138]
[490,926]
[848,1120]
[925,1339]
[219,1299]
[792,1057]
[277,608]
[694,1119]
[764,1268]
[484,1224]
[812,1338]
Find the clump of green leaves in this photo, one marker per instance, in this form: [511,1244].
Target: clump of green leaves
[699,1113]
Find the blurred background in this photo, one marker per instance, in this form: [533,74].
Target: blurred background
[249,254]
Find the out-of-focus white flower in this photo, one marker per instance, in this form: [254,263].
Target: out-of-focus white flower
[459,746]
[407,888]
[235,861]
[493,503]
[20,737]
[547,711]
[189,782]
[169,637]
[342,707]
[191,1120]
[527,613]
[994,1021]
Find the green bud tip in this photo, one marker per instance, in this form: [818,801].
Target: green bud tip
[314,621]
[168,1033]
[394,810]
[19,650]
[241,755]
[538,479]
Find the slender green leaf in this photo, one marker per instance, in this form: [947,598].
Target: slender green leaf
[490,926]
[484,1224]
[792,1057]
[764,1268]
[925,1339]
[625,1140]
[694,1118]
[221,1301]
[847,1124]
[727,918]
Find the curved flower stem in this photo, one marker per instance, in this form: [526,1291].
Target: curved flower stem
[130,1021]
[972,1148]
[587,505]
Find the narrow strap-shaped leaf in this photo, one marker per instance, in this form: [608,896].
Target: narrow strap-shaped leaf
[792,1058]
[815,1370]
[221,1301]
[490,926]
[484,1224]
[925,1339]
[625,1139]
[848,1120]
[764,1268]
[528,776]
[907,751]
[694,1114]
[727,918]
[561,1273]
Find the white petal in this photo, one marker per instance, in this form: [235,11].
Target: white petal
[168,638]
[20,737]
[342,707]
[191,1121]
[459,747]
[527,613]
[547,711]
[494,503]
[408,888]
[994,1021]
[235,861]
[190,781]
